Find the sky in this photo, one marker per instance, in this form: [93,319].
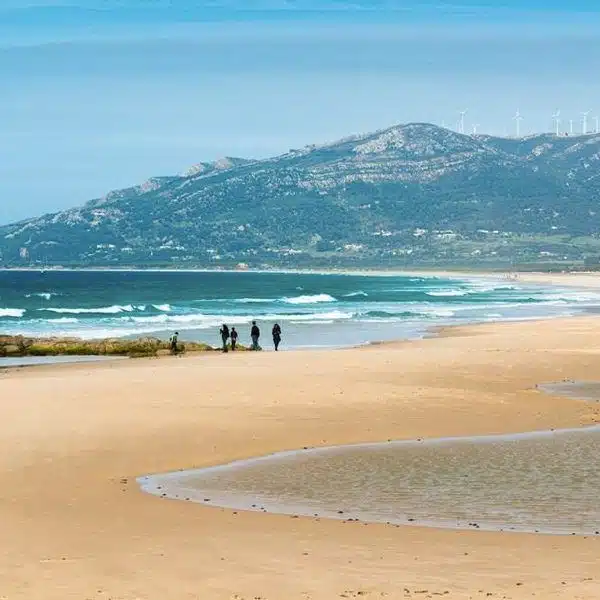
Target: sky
[98,95]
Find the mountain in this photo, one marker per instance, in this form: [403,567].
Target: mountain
[410,194]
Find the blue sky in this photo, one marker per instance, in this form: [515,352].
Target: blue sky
[102,94]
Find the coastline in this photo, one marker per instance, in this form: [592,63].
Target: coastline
[367,271]
[578,279]
[76,521]
[345,322]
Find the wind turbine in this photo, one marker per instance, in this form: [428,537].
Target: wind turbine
[597,119]
[461,126]
[570,126]
[475,128]
[584,122]
[556,119]
[518,118]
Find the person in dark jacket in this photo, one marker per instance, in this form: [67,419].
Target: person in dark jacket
[234,336]
[276,336]
[224,336]
[255,335]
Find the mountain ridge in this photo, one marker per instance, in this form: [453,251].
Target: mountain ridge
[409,193]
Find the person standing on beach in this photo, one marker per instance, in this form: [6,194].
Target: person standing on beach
[254,335]
[173,341]
[276,336]
[224,336]
[234,336]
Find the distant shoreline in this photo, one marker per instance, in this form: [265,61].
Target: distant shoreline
[307,270]
[581,279]
[433,272]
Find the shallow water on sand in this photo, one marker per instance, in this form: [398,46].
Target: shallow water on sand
[30,361]
[581,390]
[546,482]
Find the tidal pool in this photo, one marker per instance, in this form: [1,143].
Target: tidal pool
[31,361]
[545,482]
[580,390]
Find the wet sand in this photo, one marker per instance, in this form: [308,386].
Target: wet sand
[74,438]
[35,361]
[589,280]
[580,390]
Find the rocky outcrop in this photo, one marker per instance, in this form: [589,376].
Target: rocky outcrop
[148,346]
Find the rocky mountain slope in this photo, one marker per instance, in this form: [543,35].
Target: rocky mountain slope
[413,193]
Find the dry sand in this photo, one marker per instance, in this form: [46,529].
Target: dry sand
[589,280]
[74,524]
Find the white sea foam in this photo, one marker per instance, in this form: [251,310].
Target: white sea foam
[197,320]
[315,322]
[97,333]
[252,301]
[443,293]
[572,296]
[45,295]
[12,312]
[356,294]
[139,325]
[203,321]
[163,307]
[483,286]
[438,312]
[313,299]
[380,320]
[63,320]
[102,310]
[334,315]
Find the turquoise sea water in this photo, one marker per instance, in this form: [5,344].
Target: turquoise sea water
[314,310]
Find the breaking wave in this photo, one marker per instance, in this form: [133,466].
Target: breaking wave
[163,307]
[444,293]
[313,299]
[64,320]
[254,300]
[353,311]
[102,310]
[15,313]
[356,294]
[44,295]
[201,320]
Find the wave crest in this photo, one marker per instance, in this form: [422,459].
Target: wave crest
[310,299]
[15,313]
[447,293]
[44,295]
[163,307]
[63,320]
[101,310]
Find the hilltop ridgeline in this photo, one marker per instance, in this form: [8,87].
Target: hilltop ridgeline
[410,194]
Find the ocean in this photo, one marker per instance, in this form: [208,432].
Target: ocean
[314,310]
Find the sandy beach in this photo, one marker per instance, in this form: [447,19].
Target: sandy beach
[587,279]
[75,524]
